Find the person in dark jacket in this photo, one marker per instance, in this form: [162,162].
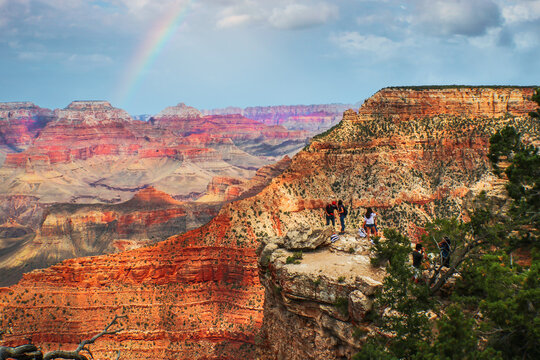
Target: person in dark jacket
[418,256]
[329,212]
[342,212]
[444,246]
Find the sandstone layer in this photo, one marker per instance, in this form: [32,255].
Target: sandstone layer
[199,296]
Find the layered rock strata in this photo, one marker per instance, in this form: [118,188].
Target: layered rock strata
[20,122]
[252,136]
[93,152]
[409,103]
[409,171]
[311,118]
[73,230]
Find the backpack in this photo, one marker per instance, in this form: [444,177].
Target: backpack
[362,233]
[345,212]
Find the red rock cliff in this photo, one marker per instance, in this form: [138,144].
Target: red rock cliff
[471,102]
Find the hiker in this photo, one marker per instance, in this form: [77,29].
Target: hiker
[444,246]
[342,211]
[370,223]
[329,211]
[417,257]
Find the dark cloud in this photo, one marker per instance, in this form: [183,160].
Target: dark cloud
[457,17]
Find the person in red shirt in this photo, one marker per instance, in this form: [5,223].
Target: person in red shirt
[329,212]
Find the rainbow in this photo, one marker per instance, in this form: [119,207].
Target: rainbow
[149,50]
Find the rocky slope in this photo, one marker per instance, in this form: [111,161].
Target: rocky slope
[199,295]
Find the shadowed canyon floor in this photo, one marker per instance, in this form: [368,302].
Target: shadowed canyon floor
[203,294]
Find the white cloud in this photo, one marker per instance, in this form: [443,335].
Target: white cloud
[457,17]
[522,11]
[298,16]
[281,14]
[354,42]
[233,20]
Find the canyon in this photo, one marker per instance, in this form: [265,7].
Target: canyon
[69,176]
[227,289]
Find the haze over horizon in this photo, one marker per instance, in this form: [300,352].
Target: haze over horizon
[144,55]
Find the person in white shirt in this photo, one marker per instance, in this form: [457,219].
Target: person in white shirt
[370,222]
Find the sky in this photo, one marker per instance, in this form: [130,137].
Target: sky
[145,55]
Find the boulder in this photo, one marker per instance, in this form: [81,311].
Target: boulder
[307,239]
[359,305]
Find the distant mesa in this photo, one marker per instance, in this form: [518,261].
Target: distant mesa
[89,105]
[180,111]
[17,105]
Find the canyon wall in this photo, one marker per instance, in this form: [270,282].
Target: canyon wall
[406,103]
[202,295]
[311,118]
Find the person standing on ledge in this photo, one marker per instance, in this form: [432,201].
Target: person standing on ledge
[370,223]
[342,212]
[329,211]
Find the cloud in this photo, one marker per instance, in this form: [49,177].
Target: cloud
[300,16]
[233,20]
[354,42]
[457,17]
[280,14]
[521,12]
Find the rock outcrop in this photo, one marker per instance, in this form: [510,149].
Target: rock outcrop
[406,103]
[317,300]
[200,295]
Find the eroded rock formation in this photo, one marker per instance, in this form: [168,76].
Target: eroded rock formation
[251,136]
[19,125]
